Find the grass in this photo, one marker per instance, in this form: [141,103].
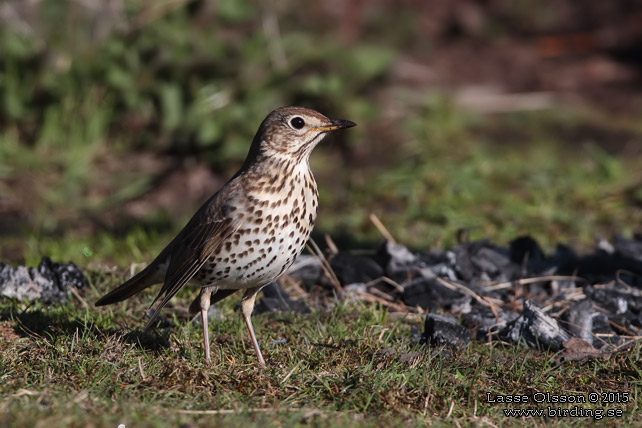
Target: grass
[498,177]
[84,126]
[85,122]
[441,180]
[349,364]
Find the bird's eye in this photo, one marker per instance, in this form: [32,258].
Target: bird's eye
[297,122]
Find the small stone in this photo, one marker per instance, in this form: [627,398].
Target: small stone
[49,283]
[535,329]
[351,268]
[276,299]
[443,330]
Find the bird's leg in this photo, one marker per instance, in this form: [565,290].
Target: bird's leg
[204,298]
[247,306]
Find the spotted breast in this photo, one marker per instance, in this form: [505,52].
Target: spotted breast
[277,214]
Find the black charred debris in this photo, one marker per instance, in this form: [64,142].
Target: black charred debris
[585,305]
[49,283]
[516,294]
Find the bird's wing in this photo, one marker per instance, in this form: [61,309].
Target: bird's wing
[210,227]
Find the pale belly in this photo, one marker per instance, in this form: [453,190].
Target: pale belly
[263,247]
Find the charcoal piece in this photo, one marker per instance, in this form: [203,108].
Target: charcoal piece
[438,263]
[562,257]
[599,267]
[463,263]
[50,283]
[629,248]
[535,329]
[429,294]
[604,334]
[351,268]
[601,324]
[584,321]
[65,274]
[578,320]
[415,335]
[526,251]
[355,288]
[397,260]
[540,288]
[306,270]
[436,256]
[496,264]
[440,330]
[276,299]
[622,323]
[482,260]
[613,300]
[560,286]
[603,245]
[636,320]
[483,320]
[461,305]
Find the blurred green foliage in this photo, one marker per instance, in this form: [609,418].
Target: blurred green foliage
[190,80]
[81,89]
[187,80]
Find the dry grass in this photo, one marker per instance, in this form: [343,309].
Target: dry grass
[351,364]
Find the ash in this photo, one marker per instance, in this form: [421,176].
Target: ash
[517,294]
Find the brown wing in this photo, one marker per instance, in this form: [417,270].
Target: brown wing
[205,232]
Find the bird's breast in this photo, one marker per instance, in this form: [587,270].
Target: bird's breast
[277,217]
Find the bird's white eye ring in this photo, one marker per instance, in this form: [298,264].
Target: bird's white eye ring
[297,122]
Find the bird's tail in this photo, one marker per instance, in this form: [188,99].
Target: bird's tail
[143,279]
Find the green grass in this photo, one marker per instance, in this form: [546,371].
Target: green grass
[77,137]
[446,178]
[81,120]
[499,177]
[346,365]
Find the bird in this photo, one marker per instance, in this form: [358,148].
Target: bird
[251,230]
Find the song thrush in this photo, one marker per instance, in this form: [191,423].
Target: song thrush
[251,230]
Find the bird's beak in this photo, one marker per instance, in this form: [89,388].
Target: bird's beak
[334,125]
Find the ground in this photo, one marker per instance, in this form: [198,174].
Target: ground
[118,119]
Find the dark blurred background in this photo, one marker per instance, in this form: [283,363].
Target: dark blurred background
[119,118]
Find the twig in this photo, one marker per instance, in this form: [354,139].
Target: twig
[381,228]
[331,245]
[314,249]
[388,281]
[134,266]
[77,295]
[293,287]
[627,288]
[525,281]
[291,372]
[376,299]
[140,368]
[635,339]
[450,410]
[487,301]
[381,294]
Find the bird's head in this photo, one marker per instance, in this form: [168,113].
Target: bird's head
[293,132]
